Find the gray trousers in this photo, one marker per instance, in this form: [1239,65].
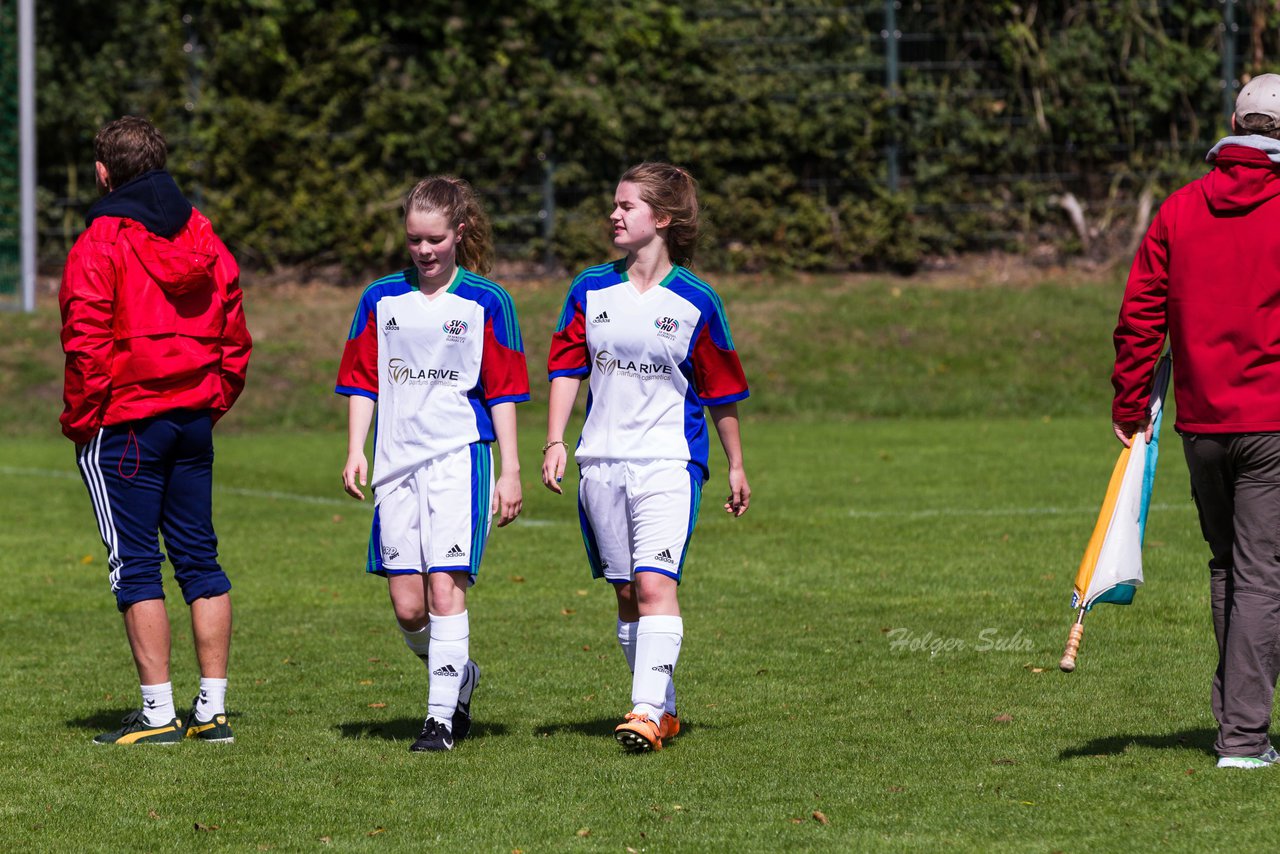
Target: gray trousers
[1235,480]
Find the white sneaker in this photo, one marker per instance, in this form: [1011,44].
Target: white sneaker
[1265,760]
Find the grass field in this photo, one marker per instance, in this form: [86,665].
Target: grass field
[869,664]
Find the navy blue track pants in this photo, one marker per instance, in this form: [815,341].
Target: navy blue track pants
[149,477]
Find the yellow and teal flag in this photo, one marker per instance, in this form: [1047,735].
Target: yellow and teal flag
[1111,569]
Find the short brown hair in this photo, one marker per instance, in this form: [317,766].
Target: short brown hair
[454,200]
[1258,123]
[128,147]
[671,192]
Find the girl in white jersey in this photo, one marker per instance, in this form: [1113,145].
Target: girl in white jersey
[437,349]
[654,343]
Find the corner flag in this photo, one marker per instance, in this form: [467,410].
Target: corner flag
[1111,569]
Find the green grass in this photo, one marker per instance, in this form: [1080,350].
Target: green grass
[874,644]
[836,347]
[960,532]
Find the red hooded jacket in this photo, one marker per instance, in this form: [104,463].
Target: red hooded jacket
[1208,275]
[150,323]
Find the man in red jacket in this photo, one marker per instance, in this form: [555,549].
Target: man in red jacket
[1207,276]
[156,352]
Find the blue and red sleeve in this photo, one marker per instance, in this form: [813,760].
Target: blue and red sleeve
[504,375]
[568,356]
[358,372]
[718,377]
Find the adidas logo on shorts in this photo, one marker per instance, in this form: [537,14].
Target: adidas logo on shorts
[447,670]
[602,317]
[455,551]
[665,668]
[391,326]
[665,557]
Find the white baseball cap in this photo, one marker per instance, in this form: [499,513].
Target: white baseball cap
[1260,96]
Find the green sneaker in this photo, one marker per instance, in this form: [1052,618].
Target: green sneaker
[136,730]
[215,729]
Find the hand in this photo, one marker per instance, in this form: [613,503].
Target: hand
[507,499]
[357,468]
[1125,429]
[739,493]
[553,463]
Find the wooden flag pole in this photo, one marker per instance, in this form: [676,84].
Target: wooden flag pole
[1074,637]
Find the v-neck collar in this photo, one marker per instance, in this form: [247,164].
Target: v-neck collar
[631,286]
[415,282]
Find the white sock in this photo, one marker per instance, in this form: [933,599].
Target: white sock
[450,649]
[213,698]
[627,640]
[658,640]
[419,642]
[157,703]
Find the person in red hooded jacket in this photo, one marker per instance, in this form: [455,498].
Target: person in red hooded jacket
[1207,278]
[156,352]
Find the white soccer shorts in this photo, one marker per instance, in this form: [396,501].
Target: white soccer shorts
[437,518]
[637,516]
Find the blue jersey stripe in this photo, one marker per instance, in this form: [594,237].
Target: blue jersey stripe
[599,276]
[506,306]
[722,320]
[366,305]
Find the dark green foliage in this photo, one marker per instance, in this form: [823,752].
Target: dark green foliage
[298,125]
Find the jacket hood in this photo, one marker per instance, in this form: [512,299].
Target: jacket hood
[1246,173]
[178,257]
[152,199]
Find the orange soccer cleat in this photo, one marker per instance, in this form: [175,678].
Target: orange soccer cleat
[638,734]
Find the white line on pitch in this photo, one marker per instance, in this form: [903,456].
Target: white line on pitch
[1008,511]
[251,493]
[230,490]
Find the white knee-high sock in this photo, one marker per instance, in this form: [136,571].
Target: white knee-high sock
[658,640]
[627,640]
[450,648]
[419,642]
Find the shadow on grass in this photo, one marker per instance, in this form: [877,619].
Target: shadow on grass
[106,720]
[1114,745]
[407,729]
[100,721]
[602,726]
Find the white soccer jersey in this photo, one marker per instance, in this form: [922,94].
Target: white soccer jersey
[654,361]
[435,367]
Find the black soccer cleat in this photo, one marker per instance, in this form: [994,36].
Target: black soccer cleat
[434,736]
